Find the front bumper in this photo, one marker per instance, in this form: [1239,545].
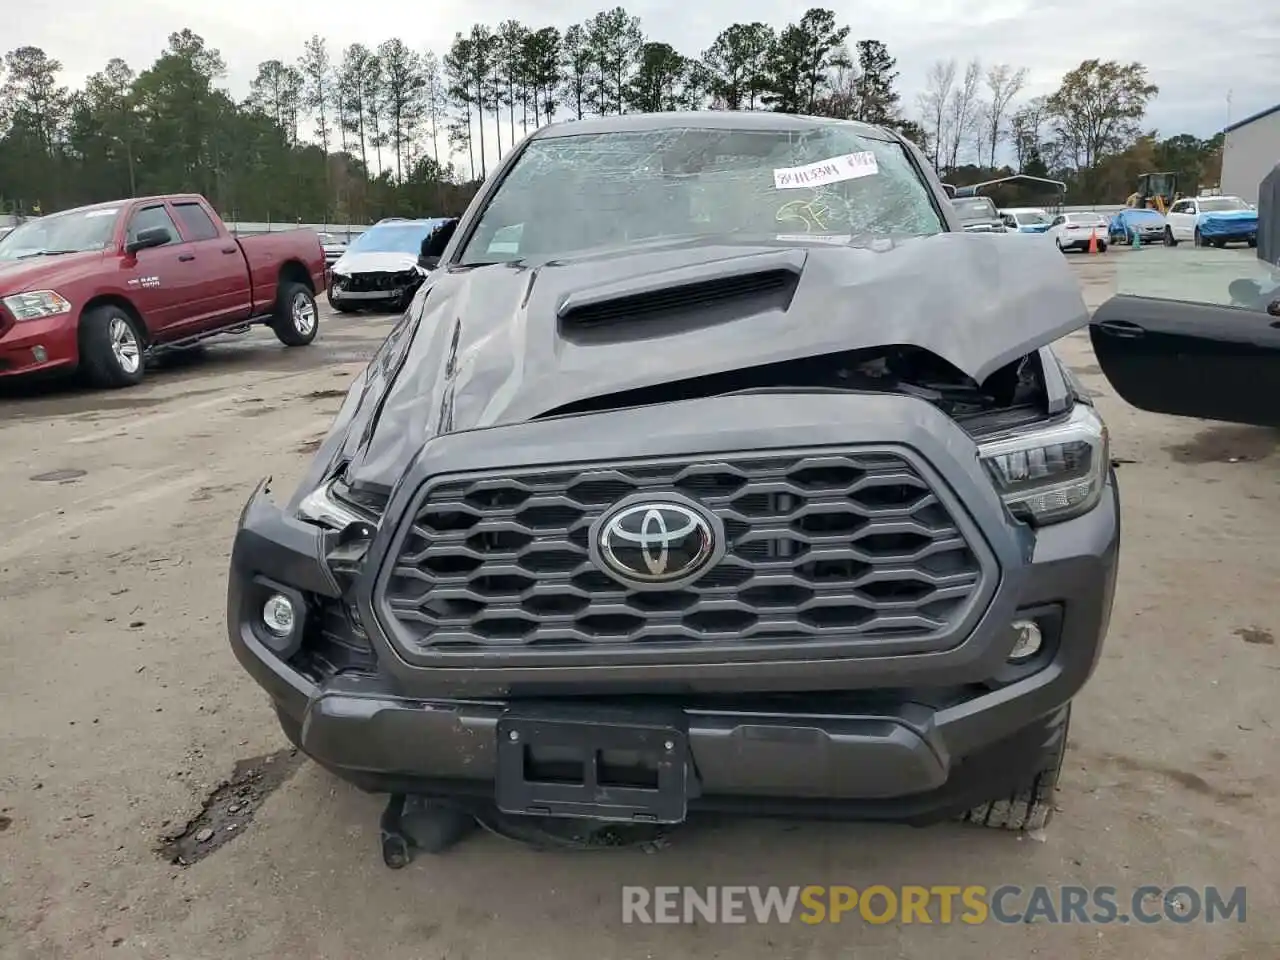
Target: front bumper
[395,294]
[40,346]
[929,731]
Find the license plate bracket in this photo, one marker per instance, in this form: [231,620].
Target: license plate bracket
[601,764]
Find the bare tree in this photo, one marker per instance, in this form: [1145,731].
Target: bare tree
[1025,128]
[962,113]
[1003,84]
[435,101]
[933,106]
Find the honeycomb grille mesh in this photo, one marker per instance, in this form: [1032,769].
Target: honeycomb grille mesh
[820,547]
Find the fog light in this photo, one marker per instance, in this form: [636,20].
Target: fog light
[277,615]
[39,354]
[1028,642]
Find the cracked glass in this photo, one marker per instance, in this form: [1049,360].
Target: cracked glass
[585,192]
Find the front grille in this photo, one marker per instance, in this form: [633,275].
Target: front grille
[821,546]
[370,282]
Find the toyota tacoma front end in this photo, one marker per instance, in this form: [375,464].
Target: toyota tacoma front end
[729,484]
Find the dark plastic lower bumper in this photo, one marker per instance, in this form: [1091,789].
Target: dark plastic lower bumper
[913,743]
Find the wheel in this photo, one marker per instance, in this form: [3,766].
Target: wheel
[111,348]
[1031,807]
[1252,241]
[1102,247]
[296,320]
[1199,239]
[1169,239]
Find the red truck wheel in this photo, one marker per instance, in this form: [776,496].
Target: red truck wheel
[297,319]
[112,349]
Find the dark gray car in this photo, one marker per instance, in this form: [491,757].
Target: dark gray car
[979,215]
[710,470]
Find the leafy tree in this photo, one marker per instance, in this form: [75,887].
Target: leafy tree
[1098,108]
[802,60]
[510,56]
[36,102]
[405,82]
[372,132]
[543,71]
[737,64]
[458,78]
[877,98]
[317,85]
[658,83]
[615,40]
[578,58]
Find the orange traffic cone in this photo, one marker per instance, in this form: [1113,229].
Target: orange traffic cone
[1093,240]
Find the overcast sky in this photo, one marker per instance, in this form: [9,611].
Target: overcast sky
[1196,51]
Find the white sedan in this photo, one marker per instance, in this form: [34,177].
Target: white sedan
[1072,231]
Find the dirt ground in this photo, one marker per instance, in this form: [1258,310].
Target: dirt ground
[122,710]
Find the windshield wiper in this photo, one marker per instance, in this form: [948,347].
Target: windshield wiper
[45,253]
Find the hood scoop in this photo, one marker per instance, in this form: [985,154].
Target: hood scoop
[692,296]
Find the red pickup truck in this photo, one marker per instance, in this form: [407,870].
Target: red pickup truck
[100,288]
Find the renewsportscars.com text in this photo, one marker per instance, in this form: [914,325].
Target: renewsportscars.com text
[933,904]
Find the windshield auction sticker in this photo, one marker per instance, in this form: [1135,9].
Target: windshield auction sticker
[851,166]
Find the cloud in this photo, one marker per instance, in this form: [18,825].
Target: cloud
[1196,53]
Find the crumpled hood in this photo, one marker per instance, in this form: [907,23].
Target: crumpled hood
[37,273]
[374,262]
[483,346]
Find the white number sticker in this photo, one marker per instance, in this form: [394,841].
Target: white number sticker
[851,166]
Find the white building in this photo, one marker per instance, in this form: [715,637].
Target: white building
[1250,150]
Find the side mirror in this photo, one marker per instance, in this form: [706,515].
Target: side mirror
[428,262]
[146,239]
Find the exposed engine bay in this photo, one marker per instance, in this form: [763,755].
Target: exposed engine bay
[893,369]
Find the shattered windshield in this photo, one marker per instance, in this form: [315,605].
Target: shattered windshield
[75,231]
[589,191]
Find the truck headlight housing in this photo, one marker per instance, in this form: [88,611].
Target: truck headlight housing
[37,304]
[322,508]
[1047,474]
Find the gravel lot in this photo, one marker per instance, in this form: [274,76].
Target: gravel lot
[122,710]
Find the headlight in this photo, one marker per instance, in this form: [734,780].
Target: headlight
[321,507]
[37,304]
[1050,474]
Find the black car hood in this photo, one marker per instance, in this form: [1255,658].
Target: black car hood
[484,346]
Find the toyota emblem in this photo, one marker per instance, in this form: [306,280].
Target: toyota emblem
[652,542]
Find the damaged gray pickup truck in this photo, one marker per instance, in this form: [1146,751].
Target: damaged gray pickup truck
[732,476]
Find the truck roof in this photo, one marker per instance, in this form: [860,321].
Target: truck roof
[703,120]
[104,204]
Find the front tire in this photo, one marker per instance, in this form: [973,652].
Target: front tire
[112,352]
[297,319]
[1169,239]
[1031,807]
